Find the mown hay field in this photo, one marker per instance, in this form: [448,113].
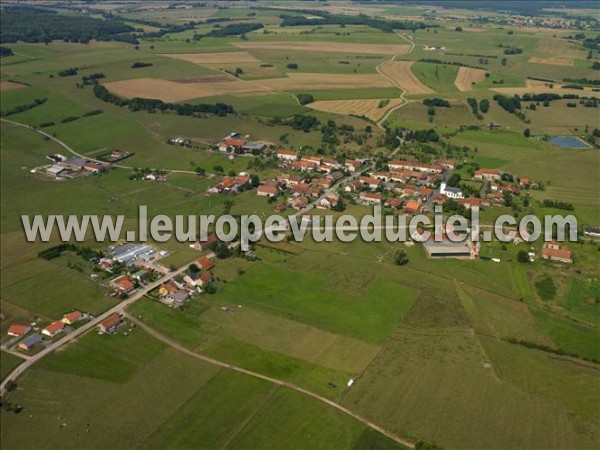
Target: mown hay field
[368,107]
[402,74]
[466,77]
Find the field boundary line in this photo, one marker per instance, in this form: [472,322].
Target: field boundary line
[154,333]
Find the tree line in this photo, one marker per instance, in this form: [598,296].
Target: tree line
[35,25]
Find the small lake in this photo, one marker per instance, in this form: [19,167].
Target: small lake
[568,142]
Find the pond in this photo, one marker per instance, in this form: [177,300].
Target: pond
[568,142]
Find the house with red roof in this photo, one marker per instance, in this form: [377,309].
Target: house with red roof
[122,284]
[371,182]
[394,203]
[554,252]
[487,174]
[374,198]
[287,155]
[18,330]
[206,263]
[413,207]
[54,328]
[205,278]
[267,190]
[110,324]
[72,317]
[304,166]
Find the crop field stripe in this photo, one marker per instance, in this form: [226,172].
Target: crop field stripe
[467,76]
[402,74]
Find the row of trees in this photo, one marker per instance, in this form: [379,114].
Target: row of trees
[326,18]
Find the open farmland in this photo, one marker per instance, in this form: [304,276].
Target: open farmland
[541,87]
[336,47]
[296,108]
[214,57]
[403,76]
[368,107]
[185,89]
[466,77]
[554,60]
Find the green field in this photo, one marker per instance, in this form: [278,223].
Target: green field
[459,354]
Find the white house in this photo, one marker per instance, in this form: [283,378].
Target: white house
[450,192]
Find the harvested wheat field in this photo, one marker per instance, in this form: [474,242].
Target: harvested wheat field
[177,90]
[296,81]
[180,90]
[541,87]
[466,76]
[553,60]
[336,47]
[214,58]
[403,76]
[10,86]
[369,108]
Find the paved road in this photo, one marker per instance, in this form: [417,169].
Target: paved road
[276,381]
[20,369]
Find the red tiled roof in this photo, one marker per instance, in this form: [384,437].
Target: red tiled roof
[206,263]
[286,152]
[54,327]
[562,253]
[18,330]
[412,206]
[72,316]
[111,321]
[267,189]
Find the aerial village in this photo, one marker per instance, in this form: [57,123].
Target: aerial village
[305,181]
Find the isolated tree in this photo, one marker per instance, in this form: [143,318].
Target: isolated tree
[523,256]
[527,132]
[400,258]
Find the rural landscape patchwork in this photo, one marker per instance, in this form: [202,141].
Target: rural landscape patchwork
[307,110]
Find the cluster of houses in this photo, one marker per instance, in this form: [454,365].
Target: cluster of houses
[292,160]
[63,167]
[30,336]
[175,292]
[141,262]
[236,144]
[230,185]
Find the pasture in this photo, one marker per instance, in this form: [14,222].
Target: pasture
[459,353]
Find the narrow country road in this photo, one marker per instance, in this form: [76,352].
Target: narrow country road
[391,80]
[152,332]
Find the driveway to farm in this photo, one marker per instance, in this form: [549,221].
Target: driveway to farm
[152,332]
